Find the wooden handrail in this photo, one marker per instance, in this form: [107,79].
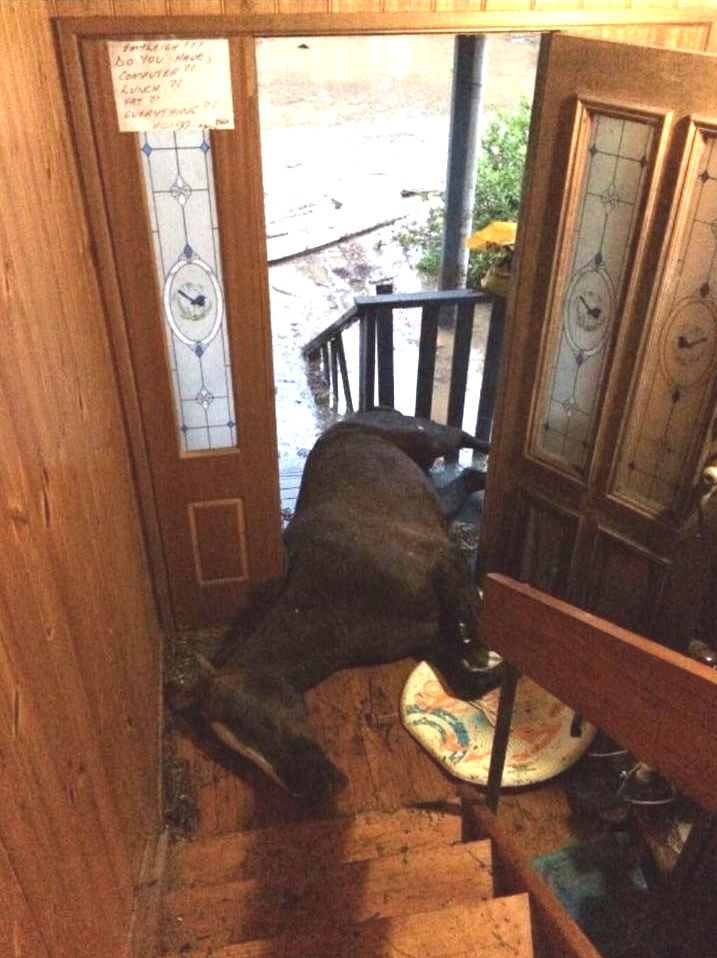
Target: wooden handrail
[555,934]
[660,705]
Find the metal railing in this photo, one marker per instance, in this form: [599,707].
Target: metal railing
[376,380]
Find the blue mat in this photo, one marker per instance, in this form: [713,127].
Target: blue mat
[603,888]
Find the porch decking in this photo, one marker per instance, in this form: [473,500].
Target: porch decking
[289,482]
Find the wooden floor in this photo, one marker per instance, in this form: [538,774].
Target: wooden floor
[378,870]
[355,715]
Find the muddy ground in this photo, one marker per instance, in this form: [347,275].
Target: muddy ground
[349,127]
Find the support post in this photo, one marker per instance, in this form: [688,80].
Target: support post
[463,146]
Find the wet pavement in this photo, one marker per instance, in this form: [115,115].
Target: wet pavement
[354,134]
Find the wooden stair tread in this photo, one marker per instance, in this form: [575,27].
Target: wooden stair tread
[243,855]
[496,928]
[326,894]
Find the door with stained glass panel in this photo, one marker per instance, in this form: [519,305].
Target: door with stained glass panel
[607,405]
[185,214]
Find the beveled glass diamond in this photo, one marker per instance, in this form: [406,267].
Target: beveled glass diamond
[610,198]
[180,190]
[204,398]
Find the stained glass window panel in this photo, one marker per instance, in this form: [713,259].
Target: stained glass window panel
[609,191]
[675,393]
[179,187]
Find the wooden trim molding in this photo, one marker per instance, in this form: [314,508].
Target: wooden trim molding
[391,22]
[144,935]
[109,286]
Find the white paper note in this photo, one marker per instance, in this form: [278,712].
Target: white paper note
[179,84]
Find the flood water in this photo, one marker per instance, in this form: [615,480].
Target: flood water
[354,137]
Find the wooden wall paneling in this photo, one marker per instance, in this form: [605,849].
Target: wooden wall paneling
[232,7]
[103,254]
[687,36]
[188,8]
[365,6]
[50,823]
[139,8]
[81,8]
[118,641]
[605,4]
[79,792]
[19,935]
[58,735]
[391,6]
[555,5]
[651,4]
[441,6]
[307,6]
[711,40]
[508,6]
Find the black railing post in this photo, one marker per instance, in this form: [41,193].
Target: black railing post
[376,361]
[367,359]
[333,356]
[462,337]
[325,365]
[491,366]
[427,359]
[384,348]
[341,355]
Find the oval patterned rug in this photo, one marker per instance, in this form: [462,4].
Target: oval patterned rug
[459,735]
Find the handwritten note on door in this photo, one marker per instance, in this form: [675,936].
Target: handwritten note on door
[179,84]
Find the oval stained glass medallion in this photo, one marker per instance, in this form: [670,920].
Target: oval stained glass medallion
[193,301]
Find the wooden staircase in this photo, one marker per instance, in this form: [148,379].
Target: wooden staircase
[393,872]
[371,886]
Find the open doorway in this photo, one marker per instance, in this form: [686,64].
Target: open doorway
[355,134]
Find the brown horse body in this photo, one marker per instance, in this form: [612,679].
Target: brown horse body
[372,576]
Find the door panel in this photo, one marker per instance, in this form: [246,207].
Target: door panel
[607,398]
[615,156]
[185,211]
[544,540]
[673,399]
[627,578]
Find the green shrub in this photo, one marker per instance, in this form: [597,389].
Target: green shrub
[499,179]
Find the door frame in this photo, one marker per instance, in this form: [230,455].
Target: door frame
[71,31]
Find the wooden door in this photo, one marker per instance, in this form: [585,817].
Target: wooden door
[607,401]
[205,387]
